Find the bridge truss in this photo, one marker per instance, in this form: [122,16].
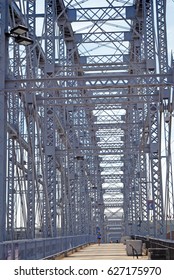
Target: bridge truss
[85,119]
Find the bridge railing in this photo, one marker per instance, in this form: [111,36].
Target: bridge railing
[41,248]
[155,243]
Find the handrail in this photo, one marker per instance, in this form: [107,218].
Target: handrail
[152,242]
[42,247]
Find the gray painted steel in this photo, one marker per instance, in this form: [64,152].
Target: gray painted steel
[86,123]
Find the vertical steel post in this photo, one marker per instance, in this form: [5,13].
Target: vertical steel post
[3,122]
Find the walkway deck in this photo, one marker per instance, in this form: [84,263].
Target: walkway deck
[111,251]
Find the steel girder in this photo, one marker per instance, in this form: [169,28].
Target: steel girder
[165,115]
[82,121]
[45,200]
[3,127]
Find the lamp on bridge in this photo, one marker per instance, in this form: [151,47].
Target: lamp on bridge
[22,40]
[19,34]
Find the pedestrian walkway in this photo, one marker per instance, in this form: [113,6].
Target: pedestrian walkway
[111,251]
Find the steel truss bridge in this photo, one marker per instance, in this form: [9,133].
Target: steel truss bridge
[86,104]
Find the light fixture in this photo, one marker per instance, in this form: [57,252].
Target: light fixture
[22,40]
[79,157]
[18,33]
[19,30]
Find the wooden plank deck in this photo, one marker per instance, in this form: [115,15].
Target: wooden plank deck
[111,251]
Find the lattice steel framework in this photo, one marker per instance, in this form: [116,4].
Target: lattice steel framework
[86,120]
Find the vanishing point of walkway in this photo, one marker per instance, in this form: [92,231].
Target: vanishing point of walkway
[111,251]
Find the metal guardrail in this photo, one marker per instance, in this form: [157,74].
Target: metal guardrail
[155,243]
[35,249]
